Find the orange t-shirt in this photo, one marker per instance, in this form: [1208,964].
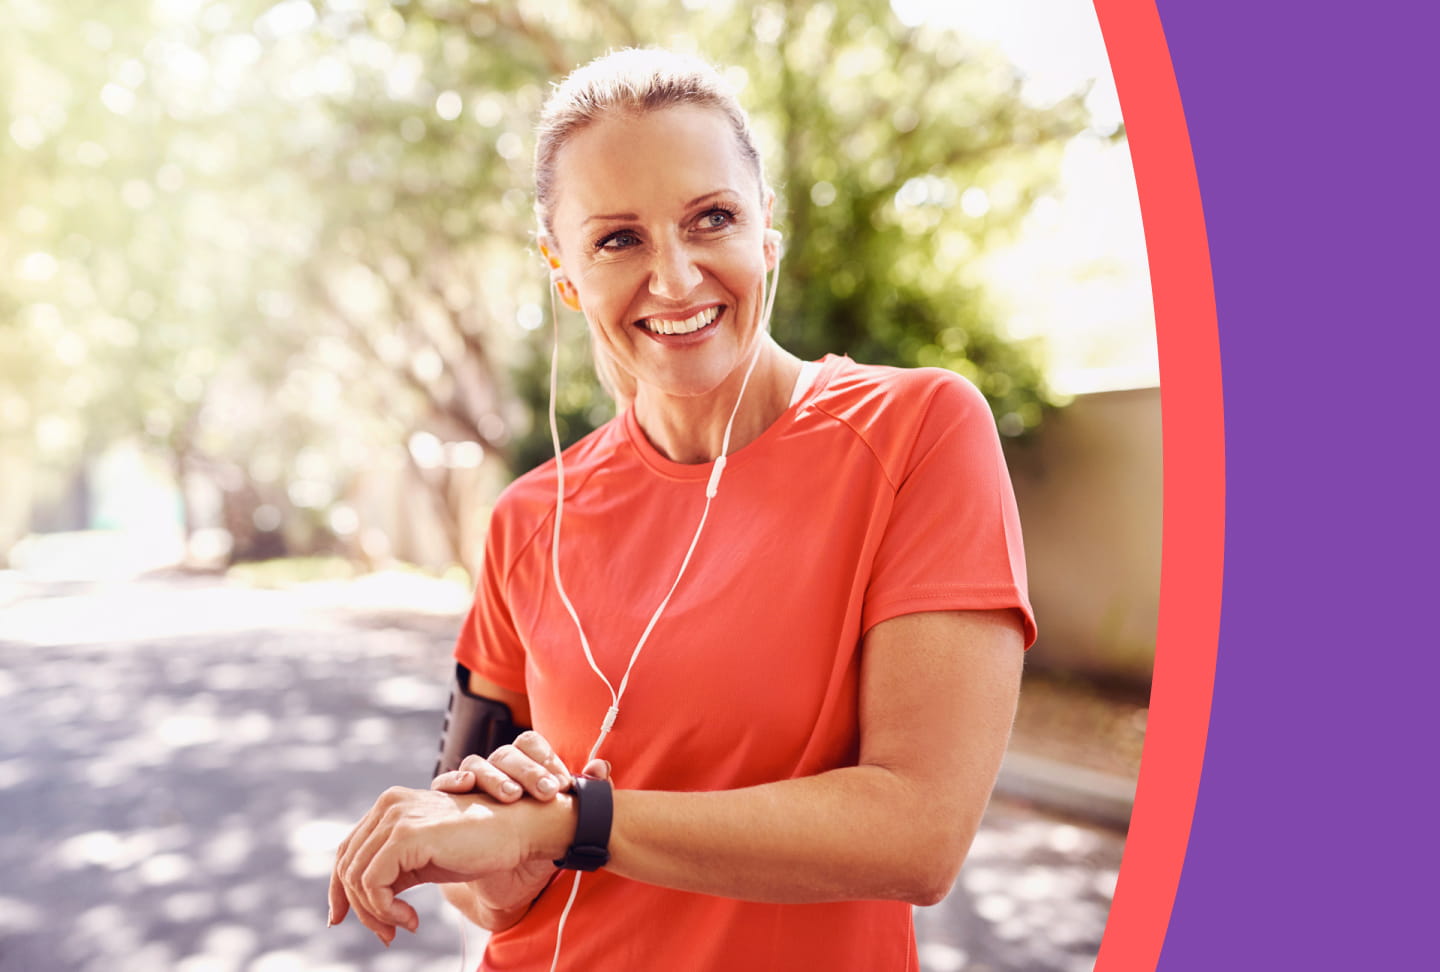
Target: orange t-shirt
[881,492]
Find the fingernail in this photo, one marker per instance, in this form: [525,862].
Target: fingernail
[330,918]
[547,785]
[510,788]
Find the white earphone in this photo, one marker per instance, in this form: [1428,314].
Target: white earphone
[773,244]
[775,241]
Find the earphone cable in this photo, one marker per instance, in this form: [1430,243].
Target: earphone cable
[712,488]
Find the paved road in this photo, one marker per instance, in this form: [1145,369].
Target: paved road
[179,759]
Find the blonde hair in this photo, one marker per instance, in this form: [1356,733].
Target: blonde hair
[633,81]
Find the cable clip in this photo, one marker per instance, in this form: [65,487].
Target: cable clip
[609,719]
[713,487]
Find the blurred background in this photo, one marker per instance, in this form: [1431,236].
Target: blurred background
[273,334]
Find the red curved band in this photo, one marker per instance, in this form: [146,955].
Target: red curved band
[1194,520]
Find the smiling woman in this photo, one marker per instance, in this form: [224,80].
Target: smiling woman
[672,278]
[830,667]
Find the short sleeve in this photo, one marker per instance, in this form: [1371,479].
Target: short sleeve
[490,644]
[952,540]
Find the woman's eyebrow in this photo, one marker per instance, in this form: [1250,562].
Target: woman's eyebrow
[621,217]
[709,195]
[609,218]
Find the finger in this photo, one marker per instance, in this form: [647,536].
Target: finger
[533,777]
[400,910]
[538,748]
[335,894]
[456,781]
[338,911]
[339,900]
[404,916]
[383,881]
[597,769]
[363,897]
[531,762]
[339,904]
[382,929]
[351,889]
[491,780]
[362,846]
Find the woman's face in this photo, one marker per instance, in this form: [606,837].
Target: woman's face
[660,227]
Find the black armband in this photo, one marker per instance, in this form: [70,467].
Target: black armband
[474,725]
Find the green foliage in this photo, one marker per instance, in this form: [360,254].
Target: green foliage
[875,134]
[279,239]
[903,153]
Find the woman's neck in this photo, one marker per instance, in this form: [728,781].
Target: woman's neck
[692,430]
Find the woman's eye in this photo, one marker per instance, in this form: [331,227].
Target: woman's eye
[617,241]
[716,218]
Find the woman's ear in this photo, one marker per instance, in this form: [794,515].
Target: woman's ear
[774,242]
[569,296]
[773,239]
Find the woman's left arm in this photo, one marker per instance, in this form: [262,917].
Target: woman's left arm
[937,700]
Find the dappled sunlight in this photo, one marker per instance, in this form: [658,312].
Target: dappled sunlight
[282,252]
[271,275]
[17,917]
[1035,893]
[92,598]
[312,846]
[176,802]
[935,957]
[14,772]
[174,790]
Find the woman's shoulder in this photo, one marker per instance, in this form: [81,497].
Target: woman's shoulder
[863,395]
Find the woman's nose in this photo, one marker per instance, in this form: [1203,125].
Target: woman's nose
[674,274]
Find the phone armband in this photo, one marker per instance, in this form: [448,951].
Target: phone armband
[474,725]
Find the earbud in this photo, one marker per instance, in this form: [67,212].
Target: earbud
[569,296]
[773,243]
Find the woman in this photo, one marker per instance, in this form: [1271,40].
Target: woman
[809,727]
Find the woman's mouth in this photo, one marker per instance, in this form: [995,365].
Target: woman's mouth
[701,319]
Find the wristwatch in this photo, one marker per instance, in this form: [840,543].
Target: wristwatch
[594,808]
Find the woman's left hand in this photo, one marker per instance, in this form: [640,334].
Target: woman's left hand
[412,837]
[527,767]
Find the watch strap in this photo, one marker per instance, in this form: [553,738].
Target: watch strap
[595,810]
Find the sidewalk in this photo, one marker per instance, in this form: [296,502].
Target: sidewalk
[1075,750]
[182,755]
[1067,789]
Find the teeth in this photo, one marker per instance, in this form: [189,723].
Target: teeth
[687,326]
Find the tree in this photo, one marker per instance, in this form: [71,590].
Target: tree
[899,153]
[289,241]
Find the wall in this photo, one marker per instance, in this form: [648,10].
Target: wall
[1089,490]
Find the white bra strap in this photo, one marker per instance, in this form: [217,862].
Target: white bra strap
[808,371]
